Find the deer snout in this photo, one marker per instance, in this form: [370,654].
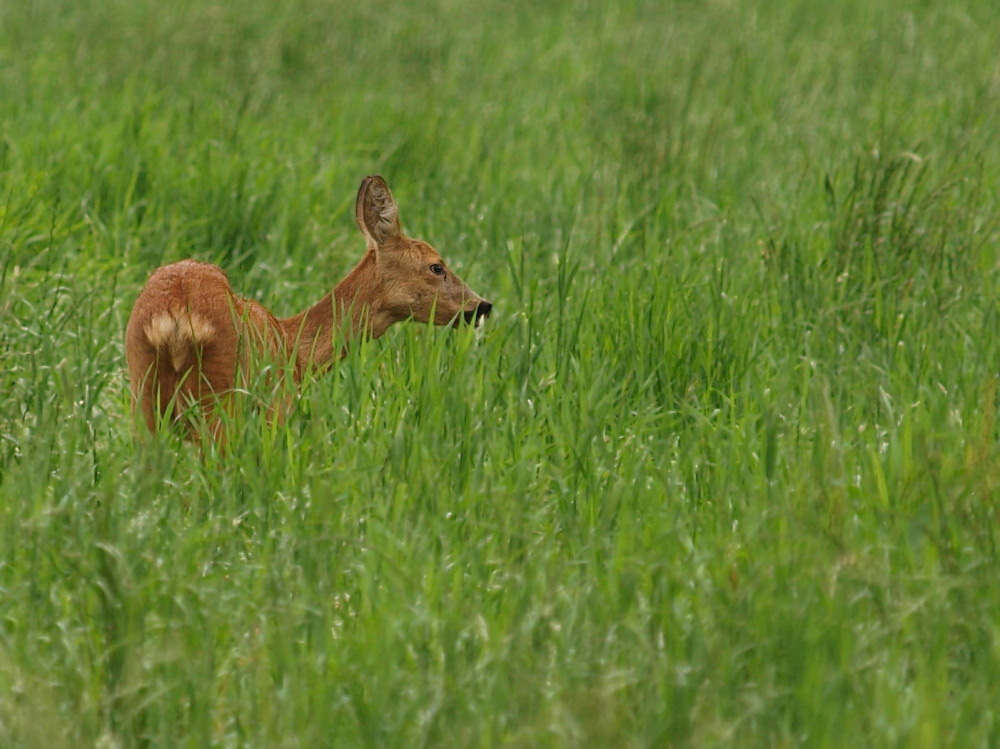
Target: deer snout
[478,313]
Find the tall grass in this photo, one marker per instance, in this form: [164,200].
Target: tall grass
[720,470]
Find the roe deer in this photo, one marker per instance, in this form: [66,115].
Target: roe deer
[190,339]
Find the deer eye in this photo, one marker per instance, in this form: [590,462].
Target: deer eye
[437,269]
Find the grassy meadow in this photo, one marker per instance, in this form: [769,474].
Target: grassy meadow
[721,470]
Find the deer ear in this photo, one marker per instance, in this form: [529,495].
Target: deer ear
[376,212]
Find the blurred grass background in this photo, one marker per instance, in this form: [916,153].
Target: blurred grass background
[721,470]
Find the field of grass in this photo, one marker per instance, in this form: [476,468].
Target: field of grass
[721,470]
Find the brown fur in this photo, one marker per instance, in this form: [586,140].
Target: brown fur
[190,339]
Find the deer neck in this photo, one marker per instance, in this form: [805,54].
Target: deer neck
[352,310]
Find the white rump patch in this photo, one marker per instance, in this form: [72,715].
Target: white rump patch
[177,333]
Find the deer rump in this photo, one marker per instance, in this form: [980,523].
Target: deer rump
[191,339]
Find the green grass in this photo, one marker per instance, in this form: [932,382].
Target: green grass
[722,469]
